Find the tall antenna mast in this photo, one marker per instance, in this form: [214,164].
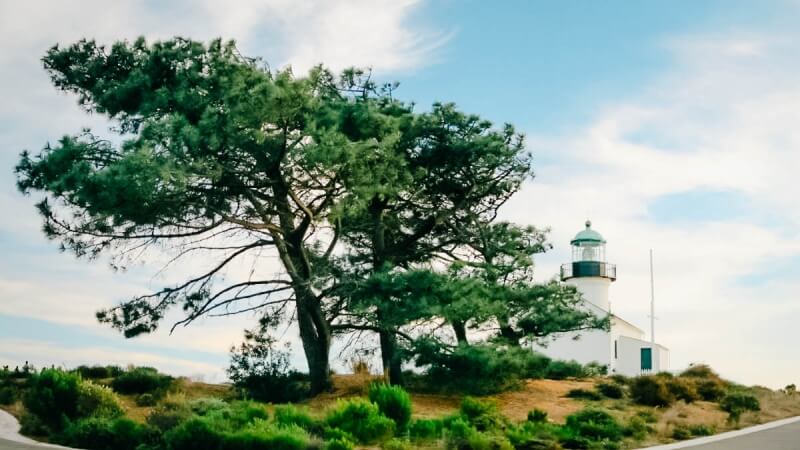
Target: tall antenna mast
[652,303]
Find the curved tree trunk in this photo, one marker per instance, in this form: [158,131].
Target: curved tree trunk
[460,330]
[392,362]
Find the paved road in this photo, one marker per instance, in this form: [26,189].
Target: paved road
[786,437]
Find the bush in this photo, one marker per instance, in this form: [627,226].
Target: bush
[647,416]
[362,419]
[594,369]
[99,433]
[8,395]
[393,402]
[463,436]
[265,437]
[683,389]
[651,391]
[338,444]
[620,379]
[482,414]
[169,415]
[98,372]
[478,369]
[637,428]
[537,416]
[681,433]
[584,394]
[193,434]
[594,425]
[396,444]
[425,429]
[146,399]
[710,390]
[533,436]
[141,380]
[560,370]
[700,371]
[701,430]
[52,396]
[737,403]
[610,390]
[262,372]
[31,425]
[97,401]
[292,415]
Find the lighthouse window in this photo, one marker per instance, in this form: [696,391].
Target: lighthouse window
[615,349]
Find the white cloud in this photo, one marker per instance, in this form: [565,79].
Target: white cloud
[723,119]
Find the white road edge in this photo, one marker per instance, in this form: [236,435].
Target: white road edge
[724,436]
[9,430]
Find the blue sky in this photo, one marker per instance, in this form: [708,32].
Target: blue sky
[670,124]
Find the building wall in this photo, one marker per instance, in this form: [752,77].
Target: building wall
[629,358]
[584,347]
[594,290]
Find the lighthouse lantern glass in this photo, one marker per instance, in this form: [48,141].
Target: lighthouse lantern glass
[588,251]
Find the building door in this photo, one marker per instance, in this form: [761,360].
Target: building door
[647,359]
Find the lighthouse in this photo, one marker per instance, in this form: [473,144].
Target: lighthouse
[621,349]
[589,271]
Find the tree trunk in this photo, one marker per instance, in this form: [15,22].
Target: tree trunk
[460,329]
[508,333]
[392,362]
[316,344]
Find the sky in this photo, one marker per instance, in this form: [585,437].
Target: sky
[673,126]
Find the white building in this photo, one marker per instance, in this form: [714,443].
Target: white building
[623,349]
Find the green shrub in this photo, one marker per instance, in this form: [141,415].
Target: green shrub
[647,416]
[536,415]
[683,389]
[8,395]
[610,390]
[52,396]
[700,371]
[293,415]
[482,414]
[560,370]
[651,391]
[396,444]
[594,369]
[701,430]
[393,402]
[463,436]
[425,429]
[478,369]
[620,379]
[262,372]
[584,394]
[195,433]
[710,389]
[98,372]
[533,436]
[99,433]
[146,399]
[140,380]
[31,425]
[594,424]
[681,433]
[97,401]
[262,436]
[338,444]
[637,428]
[737,403]
[362,419]
[167,417]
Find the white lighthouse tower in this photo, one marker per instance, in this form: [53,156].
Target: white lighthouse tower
[623,349]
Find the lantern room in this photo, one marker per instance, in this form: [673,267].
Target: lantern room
[588,256]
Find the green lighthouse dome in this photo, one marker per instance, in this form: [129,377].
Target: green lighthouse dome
[587,236]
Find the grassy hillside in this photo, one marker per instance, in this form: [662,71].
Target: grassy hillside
[685,415]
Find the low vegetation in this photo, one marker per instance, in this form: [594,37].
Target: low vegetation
[96,412]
